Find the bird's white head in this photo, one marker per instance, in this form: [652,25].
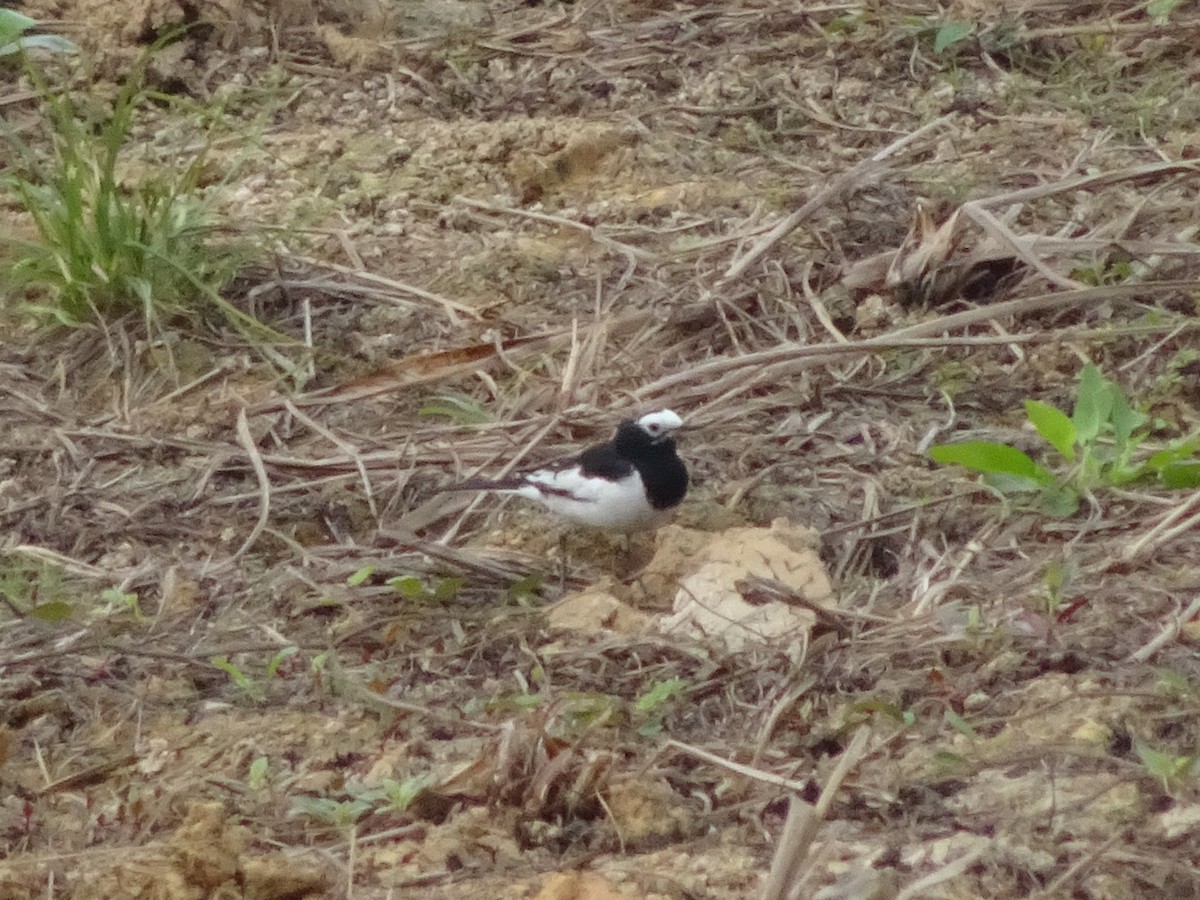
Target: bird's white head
[660,425]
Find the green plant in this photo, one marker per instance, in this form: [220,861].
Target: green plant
[13,39]
[391,796]
[654,704]
[524,591]
[118,601]
[410,587]
[112,240]
[950,33]
[395,796]
[459,409]
[1057,581]
[360,576]
[36,589]
[941,34]
[1160,10]
[1113,270]
[1177,687]
[1099,443]
[280,658]
[1173,771]
[252,690]
[873,707]
[256,779]
[338,813]
[959,724]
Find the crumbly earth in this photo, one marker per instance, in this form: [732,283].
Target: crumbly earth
[248,650]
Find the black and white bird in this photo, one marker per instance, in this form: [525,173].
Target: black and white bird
[631,483]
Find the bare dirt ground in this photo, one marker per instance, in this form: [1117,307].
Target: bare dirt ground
[247,650]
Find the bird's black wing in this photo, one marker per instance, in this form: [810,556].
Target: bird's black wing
[603,461]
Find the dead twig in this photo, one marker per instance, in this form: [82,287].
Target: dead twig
[246,440]
[1168,634]
[792,854]
[727,376]
[855,177]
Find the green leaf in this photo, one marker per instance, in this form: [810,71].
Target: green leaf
[258,774]
[959,723]
[525,591]
[447,588]
[1176,453]
[51,43]
[1160,10]
[950,34]
[1054,578]
[1181,475]
[991,459]
[408,586]
[401,794]
[1165,766]
[660,693]
[238,677]
[342,813]
[1060,500]
[948,761]
[278,658]
[12,24]
[459,409]
[119,600]
[1053,425]
[1093,405]
[845,24]
[54,611]
[1125,420]
[360,577]
[1012,484]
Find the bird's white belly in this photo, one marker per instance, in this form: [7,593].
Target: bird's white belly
[620,505]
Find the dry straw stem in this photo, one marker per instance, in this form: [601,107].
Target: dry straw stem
[246,440]
[54,558]
[1166,529]
[633,254]
[792,855]
[1168,634]
[345,446]
[855,178]
[748,771]
[727,377]
[950,870]
[357,283]
[979,211]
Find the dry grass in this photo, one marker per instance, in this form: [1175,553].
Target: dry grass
[828,247]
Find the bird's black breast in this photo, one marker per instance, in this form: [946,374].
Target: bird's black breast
[664,475]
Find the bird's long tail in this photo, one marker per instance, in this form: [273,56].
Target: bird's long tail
[487,484]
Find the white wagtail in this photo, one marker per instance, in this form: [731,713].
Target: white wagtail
[630,483]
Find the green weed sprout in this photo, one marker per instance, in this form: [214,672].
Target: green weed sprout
[654,704]
[14,40]
[1173,771]
[1098,444]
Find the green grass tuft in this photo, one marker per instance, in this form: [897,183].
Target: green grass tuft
[107,244]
